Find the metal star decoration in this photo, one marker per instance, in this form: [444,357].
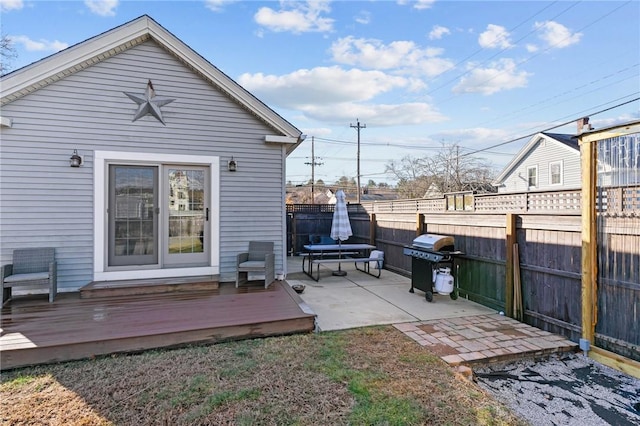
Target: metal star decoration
[149,103]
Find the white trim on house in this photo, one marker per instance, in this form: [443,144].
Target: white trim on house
[561,164]
[80,56]
[281,139]
[537,182]
[101,161]
[525,151]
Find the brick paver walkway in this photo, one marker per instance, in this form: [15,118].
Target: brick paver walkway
[483,338]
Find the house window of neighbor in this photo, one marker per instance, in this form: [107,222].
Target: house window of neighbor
[532,176]
[555,173]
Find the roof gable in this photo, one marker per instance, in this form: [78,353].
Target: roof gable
[103,46]
[568,142]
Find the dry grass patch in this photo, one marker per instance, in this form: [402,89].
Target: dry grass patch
[367,376]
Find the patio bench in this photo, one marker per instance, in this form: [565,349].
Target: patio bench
[31,268]
[368,263]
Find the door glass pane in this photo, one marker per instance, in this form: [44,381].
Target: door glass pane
[186,211]
[132,218]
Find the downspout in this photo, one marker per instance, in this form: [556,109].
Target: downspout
[282,275]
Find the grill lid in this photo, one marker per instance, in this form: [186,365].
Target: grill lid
[434,242]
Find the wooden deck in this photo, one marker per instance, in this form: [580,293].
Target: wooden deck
[34,331]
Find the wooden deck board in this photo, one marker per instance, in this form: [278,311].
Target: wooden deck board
[148,286]
[34,331]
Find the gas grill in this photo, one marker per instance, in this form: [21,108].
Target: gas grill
[432,261]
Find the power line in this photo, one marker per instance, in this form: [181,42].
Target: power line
[547,129]
[445,84]
[518,138]
[540,104]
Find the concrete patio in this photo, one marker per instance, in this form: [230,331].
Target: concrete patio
[459,331]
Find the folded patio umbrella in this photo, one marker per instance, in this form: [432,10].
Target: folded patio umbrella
[340,226]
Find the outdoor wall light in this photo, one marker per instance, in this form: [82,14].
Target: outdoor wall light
[75,160]
[232,165]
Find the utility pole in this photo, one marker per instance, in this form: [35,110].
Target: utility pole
[459,188]
[358,126]
[313,165]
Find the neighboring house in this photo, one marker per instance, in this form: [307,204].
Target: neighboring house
[157,130]
[549,161]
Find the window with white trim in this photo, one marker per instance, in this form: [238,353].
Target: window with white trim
[532,176]
[555,173]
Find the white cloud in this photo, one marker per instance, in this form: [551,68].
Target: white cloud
[382,115]
[333,94]
[418,4]
[316,131]
[322,85]
[472,136]
[363,17]
[217,5]
[531,48]
[556,35]
[438,31]
[601,123]
[499,76]
[402,56]
[102,7]
[494,37]
[7,5]
[296,17]
[39,45]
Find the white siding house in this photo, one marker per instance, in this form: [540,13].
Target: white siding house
[548,162]
[155,126]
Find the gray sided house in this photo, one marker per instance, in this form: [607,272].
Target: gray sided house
[548,162]
[157,129]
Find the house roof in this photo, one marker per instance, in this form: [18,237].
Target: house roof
[103,46]
[570,142]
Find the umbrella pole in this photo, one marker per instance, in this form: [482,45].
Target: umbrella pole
[339,272]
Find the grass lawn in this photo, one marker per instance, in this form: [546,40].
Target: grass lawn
[365,376]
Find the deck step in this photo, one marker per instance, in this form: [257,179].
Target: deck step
[148,286]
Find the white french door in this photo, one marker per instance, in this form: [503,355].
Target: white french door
[186,233]
[158,215]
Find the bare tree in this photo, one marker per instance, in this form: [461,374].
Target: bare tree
[446,171]
[7,53]
[413,182]
[454,172]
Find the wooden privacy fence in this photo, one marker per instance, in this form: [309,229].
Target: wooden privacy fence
[546,228]
[610,164]
[558,202]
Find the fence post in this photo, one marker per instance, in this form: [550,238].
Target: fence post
[510,239]
[589,254]
[372,229]
[294,235]
[419,222]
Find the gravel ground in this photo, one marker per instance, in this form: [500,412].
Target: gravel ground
[568,389]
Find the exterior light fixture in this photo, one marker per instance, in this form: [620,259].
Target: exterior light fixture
[75,160]
[232,165]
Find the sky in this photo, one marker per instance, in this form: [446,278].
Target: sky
[416,75]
